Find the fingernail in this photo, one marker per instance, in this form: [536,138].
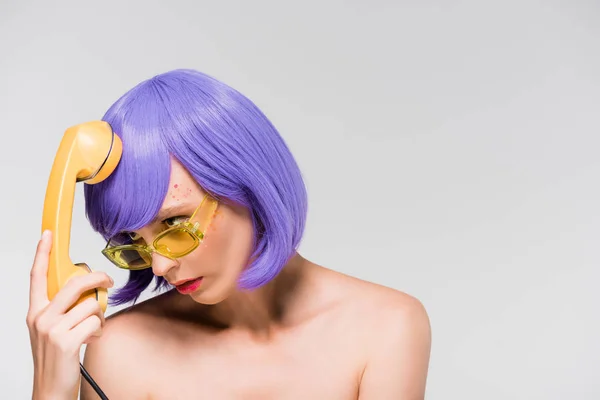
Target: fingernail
[45,234]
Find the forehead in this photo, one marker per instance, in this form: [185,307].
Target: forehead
[180,175]
[182,187]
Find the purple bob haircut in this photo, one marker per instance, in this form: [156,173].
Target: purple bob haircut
[228,146]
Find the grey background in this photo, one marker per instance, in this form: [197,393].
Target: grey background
[450,151]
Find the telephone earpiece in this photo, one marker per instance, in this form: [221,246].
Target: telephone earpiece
[88,153]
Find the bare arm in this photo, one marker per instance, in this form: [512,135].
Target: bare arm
[398,364]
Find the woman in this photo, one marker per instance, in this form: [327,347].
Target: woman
[208,201]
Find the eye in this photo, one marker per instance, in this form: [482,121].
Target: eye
[120,239]
[173,221]
[134,236]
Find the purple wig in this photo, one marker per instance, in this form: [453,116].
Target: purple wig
[228,146]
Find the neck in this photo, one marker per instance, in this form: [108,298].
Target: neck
[262,311]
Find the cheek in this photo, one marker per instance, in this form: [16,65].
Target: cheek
[228,241]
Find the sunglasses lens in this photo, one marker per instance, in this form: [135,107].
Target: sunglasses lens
[132,253]
[130,258]
[175,243]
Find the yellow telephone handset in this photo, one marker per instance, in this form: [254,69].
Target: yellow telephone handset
[89,153]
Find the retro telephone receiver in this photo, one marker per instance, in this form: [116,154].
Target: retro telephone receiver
[88,153]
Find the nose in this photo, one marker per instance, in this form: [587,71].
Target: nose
[161,265]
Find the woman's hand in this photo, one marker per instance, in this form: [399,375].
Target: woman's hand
[57,333]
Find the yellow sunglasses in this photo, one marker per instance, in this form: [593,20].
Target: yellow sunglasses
[174,242]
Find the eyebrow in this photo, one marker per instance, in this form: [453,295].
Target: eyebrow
[162,214]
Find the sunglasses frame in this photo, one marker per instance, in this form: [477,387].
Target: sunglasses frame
[187,226]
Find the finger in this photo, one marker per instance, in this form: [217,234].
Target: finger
[38,285]
[80,313]
[85,330]
[74,288]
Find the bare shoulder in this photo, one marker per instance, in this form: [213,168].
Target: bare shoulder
[396,337]
[397,318]
[389,306]
[114,360]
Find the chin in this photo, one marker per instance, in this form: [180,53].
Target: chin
[211,295]
[203,298]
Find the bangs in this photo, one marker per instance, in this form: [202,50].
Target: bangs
[133,194]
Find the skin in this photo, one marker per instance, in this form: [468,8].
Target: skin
[311,333]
